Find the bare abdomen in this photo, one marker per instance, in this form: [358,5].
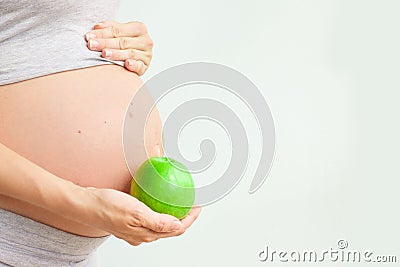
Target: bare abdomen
[70,123]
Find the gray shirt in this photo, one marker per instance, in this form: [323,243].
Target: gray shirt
[48,36]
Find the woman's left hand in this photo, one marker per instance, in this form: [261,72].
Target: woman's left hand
[128,42]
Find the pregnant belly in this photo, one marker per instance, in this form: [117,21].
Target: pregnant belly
[70,123]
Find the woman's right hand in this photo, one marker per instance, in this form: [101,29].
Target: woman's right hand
[129,219]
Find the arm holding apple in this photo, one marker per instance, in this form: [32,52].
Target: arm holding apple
[107,209]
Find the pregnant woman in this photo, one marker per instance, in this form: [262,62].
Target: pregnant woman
[63,96]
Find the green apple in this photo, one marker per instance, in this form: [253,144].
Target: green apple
[164,185]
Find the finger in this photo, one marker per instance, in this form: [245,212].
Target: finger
[113,29]
[191,217]
[142,234]
[136,66]
[104,24]
[156,221]
[90,187]
[115,54]
[135,61]
[186,223]
[100,25]
[142,43]
[135,243]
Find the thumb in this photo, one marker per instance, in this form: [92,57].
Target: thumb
[159,222]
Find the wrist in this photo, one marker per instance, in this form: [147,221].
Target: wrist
[89,206]
[83,205]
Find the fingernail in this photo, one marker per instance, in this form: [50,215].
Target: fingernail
[131,62]
[90,36]
[177,225]
[108,53]
[93,44]
[98,24]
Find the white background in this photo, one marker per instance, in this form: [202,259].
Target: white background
[330,71]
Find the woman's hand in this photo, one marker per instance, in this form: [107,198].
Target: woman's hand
[129,219]
[128,42]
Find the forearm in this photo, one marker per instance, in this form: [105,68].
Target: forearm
[21,179]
